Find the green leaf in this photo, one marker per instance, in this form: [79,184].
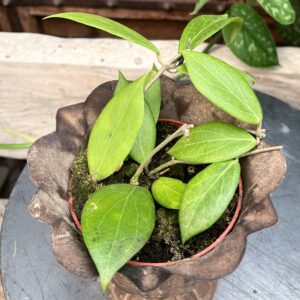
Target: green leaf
[213,142]
[291,33]
[182,69]
[280,10]
[246,76]
[122,82]
[117,221]
[199,4]
[254,44]
[115,130]
[207,196]
[16,146]
[202,27]
[146,138]
[168,192]
[153,96]
[109,26]
[223,86]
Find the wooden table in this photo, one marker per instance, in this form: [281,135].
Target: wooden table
[269,270]
[40,73]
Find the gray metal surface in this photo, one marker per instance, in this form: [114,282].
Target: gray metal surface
[269,270]
[29,268]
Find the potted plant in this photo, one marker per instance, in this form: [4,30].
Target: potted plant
[138,192]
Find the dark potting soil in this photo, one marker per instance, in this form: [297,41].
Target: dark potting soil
[164,244]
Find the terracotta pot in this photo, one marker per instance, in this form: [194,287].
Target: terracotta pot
[49,162]
[204,251]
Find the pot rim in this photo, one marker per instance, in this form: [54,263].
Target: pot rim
[169,263]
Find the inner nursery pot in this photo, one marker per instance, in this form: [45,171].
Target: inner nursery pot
[51,157]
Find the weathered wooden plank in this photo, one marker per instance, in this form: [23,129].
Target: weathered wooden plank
[40,73]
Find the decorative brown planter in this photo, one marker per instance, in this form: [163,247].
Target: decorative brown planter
[196,278]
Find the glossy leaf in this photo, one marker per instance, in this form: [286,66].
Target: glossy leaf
[199,4]
[168,192]
[117,221]
[280,10]
[201,28]
[254,44]
[223,86]
[146,138]
[109,26]
[207,196]
[213,142]
[153,96]
[122,82]
[183,70]
[115,130]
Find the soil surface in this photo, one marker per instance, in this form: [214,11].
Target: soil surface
[164,244]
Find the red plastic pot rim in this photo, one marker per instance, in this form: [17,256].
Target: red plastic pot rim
[169,263]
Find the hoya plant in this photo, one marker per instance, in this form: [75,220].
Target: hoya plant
[118,219]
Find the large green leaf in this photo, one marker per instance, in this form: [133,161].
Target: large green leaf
[199,4]
[117,221]
[153,96]
[223,86]
[109,26]
[122,82]
[168,192]
[281,10]
[254,44]
[202,27]
[213,142]
[207,196]
[115,130]
[146,138]
[183,70]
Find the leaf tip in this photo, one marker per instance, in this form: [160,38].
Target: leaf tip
[184,238]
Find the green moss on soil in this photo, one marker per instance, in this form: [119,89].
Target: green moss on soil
[164,244]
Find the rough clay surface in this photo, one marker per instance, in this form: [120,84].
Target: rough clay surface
[51,157]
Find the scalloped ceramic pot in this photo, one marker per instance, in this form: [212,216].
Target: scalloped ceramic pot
[51,157]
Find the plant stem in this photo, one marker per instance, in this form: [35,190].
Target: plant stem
[261,150]
[183,130]
[162,70]
[259,133]
[173,162]
[216,39]
[166,165]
